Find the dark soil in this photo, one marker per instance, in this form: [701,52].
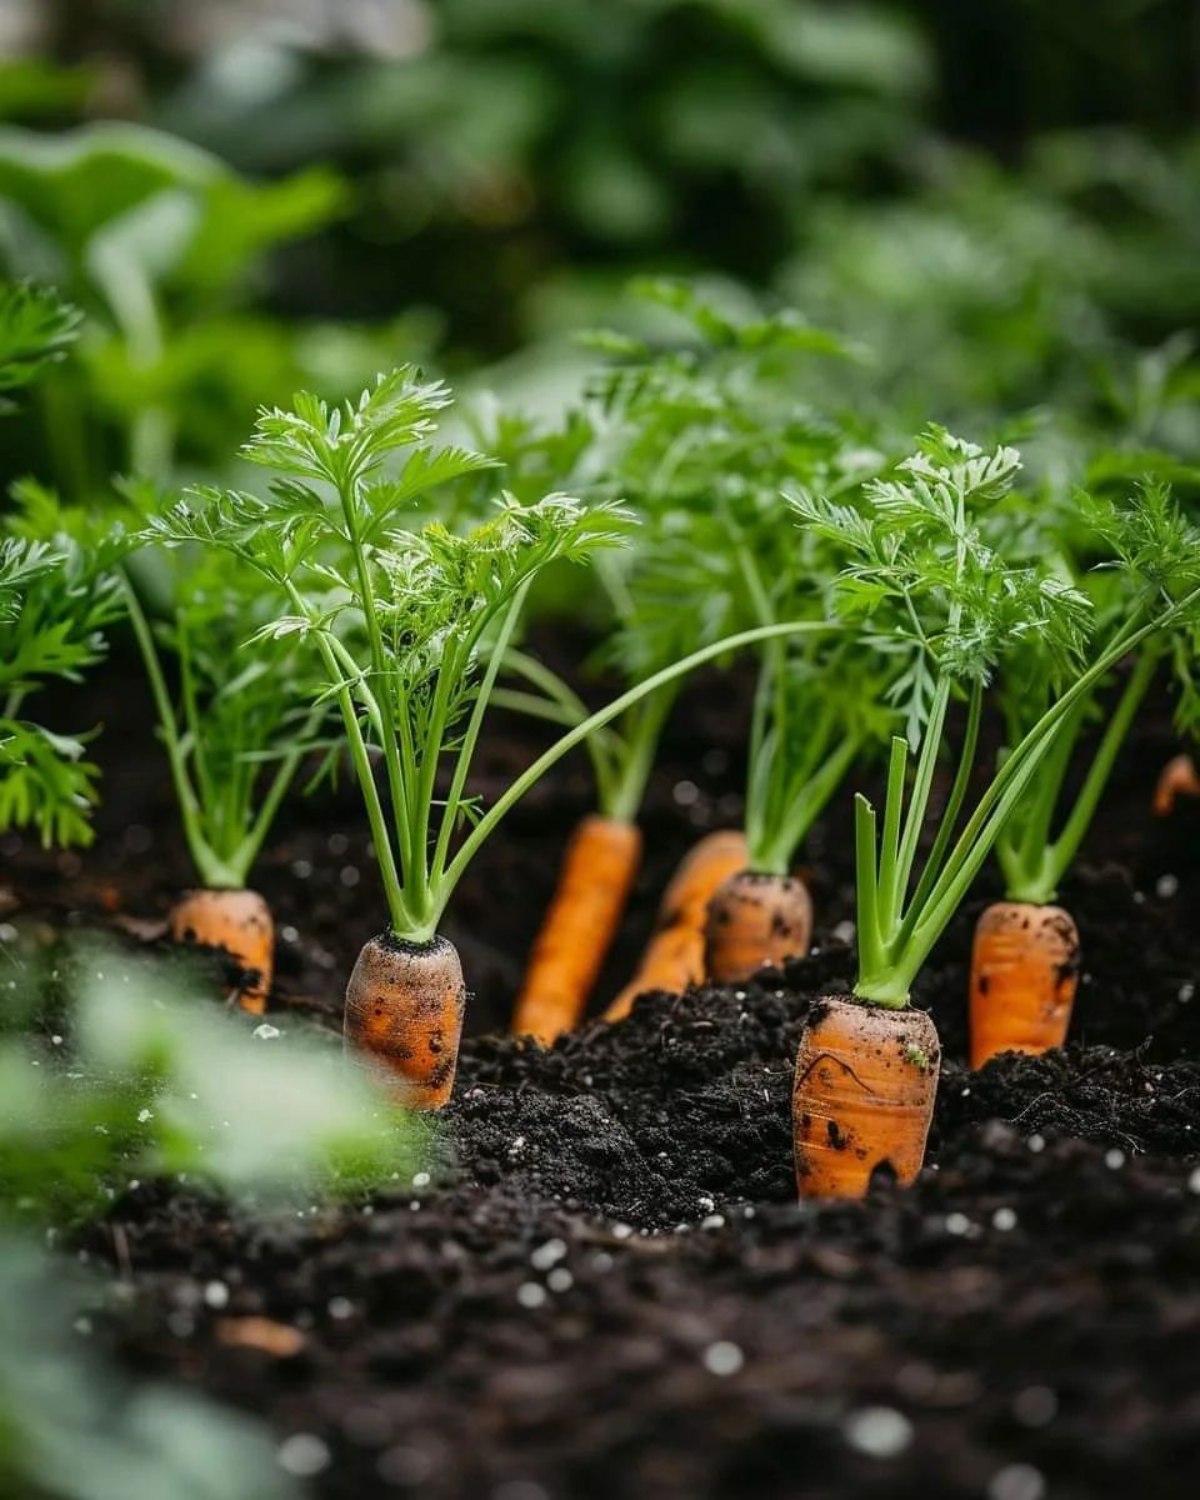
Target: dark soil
[611,1291]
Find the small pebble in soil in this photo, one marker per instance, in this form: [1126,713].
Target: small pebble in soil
[713,1221]
[844,932]
[723,1358]
[1004,1219]
[957,1223]
[350,876]
[1017,1482]
[302,868]
[685,793]
[621,1231]
[602,1261]
[1114,1159]
[548,1255]
[560,1280]
[1036,1143]
[290,934]
[530,1294]
[303,1454]
[1035,1406]
[337,844]
[216,1294]
[1167,886]
[341,1308]
[878,1431]
[1186,991]
[420,1179]
[266,1032]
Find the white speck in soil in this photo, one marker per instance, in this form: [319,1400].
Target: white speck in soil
[706,1204]
[302,868]
[602,1261]
[1036,1143]
[685,793]
[723,1358]
[420,1179]
[1035,1406]
[1114,1159]
[216,1294]
[350,876]
[957,1223]
[289,934]
[844,932]
[1167,886]
[266,1032]
[1004,1219]
[341,1308]
[1186,990]
[560,1280]
[1017,1482]
[713,1221]
[878,1431]
[144,1115]
[303,1454]
[621,1231]
[548,1255]
[530,1294]
[337,844]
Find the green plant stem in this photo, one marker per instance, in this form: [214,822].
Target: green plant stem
[627,700]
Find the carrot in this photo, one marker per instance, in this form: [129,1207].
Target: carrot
[866,1080]
[1178,778]
[593,887]
[404,1013]
[755,920]
[674,956]
[240,923]
[1024,972]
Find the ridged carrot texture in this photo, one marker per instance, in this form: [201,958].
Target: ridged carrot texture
[593,886]
[1178,778]
[1024,973]
[755,920]
[404,1016]
[240,923]
[866,1081]
[674,956]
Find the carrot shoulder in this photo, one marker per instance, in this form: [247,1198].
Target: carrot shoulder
[866,1081]
[753,921]
[1024,973]
[1178,778]
[404,1015]
[674,956]
[240,923]
[597,873]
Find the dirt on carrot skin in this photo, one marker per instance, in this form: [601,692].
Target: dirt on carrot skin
[611,1290]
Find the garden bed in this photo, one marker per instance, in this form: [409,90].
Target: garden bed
[609,1288]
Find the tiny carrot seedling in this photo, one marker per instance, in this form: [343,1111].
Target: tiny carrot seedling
[410,629]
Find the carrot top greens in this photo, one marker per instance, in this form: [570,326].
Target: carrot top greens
[936,580]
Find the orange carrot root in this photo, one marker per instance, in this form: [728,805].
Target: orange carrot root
[1024,972]
[597,873]
[674,956]
[866,1080]
[755,920]
[240,923]
[404,1013]
[1178,778]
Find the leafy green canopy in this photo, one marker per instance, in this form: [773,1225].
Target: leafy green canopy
[700,435]
[933,579]
[401,621]
[56,598]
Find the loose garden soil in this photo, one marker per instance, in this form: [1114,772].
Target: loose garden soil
[609,1288]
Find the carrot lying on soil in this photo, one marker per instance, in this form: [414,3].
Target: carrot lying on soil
[1178,778]
[593,886]
[239,922]
[404,1015]
[674,956]
[1024,973]
[866,1080]
[755,920]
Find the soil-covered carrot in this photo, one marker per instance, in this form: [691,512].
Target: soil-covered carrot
[1024,972]
[240,924]
[674,956]
[404,1012]
[866,1080]
[755,920]
[597,872]
[1178,778]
